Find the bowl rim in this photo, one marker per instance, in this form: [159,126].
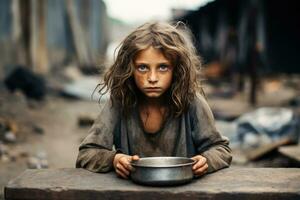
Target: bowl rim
[163,166]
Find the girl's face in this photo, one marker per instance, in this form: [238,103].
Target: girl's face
[153,72]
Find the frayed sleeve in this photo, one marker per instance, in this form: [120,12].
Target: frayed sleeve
[96,152]
[208,141]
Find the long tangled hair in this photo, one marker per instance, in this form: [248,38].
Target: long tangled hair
[175,43]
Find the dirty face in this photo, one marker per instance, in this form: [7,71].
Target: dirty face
[153,72]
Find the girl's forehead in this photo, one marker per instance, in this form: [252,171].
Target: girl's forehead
[151,53]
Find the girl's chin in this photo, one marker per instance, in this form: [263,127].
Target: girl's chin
[153,94]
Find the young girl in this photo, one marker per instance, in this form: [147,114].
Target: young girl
[156,106]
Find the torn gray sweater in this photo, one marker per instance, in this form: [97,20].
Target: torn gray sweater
[190,134]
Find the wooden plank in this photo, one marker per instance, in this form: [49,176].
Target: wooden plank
[263,150]
[78,35]
[292,152]
[42,59]
[20,24]
[232,183]
[38,37]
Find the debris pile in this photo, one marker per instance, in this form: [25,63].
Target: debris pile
[260,134]
[8,130]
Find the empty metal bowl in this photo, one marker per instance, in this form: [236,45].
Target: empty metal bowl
[158,171]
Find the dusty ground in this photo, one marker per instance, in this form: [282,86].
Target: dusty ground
[60,140]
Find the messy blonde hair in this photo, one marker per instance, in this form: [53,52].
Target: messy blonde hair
[175,43]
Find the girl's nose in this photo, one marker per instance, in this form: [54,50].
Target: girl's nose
[152,77]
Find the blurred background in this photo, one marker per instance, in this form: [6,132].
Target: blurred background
[54,52]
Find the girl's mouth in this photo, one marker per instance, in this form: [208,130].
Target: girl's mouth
[153,89]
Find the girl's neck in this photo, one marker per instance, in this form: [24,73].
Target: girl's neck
[153,113]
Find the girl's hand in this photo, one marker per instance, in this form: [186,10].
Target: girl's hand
[200,167]
[122,164]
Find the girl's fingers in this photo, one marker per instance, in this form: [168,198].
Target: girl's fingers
[123,166]
[122,169]
[202,170]
[201,166]
[120,173]
[125,162]
[200,173]
[135,157]
[201,161]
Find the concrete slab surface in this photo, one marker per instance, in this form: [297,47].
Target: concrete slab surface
[232,183]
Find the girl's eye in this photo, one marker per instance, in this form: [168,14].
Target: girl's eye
[163,68]
[142,68]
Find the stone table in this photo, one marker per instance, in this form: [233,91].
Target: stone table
[231,183]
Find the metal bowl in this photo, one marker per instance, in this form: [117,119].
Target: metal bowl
[159,171]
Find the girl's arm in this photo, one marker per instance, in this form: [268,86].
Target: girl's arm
[95,152]
[208,141]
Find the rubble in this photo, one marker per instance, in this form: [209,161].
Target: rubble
[8,130]
[3,149]
[33,163]
[37,129]
[10,137]
[39,161]
[85,120]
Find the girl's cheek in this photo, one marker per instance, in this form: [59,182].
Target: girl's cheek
[139,79]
